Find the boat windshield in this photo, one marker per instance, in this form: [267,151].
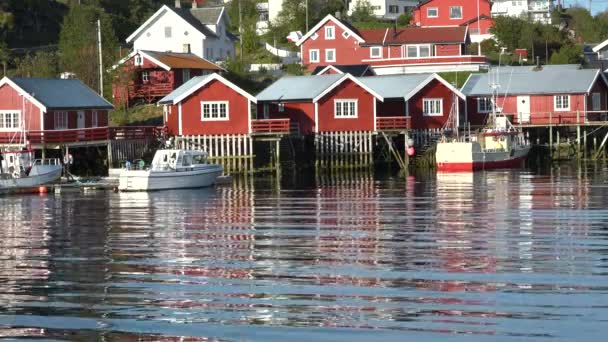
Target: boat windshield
[199,159]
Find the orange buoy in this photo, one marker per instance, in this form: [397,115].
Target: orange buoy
[43,189]
[410,151]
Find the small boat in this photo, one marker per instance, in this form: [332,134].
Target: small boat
[501,146]
[171,169]
[18,169]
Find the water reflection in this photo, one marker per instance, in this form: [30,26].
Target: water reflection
[501,254]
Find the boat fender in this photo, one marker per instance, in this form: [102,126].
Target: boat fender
[68,159]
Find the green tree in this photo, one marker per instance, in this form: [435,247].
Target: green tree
[363,12]
[41,64]
[567,54]
[78,44]
[405,19]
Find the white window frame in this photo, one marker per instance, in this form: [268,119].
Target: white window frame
[139,60]
[596,101]
[377,48]
[436,12]
[345,34]
[210,104]
[418,46]
[456,18]
[310,60]
[94,119]
[562,108]
[435,113]
[334,54]
[484,100]
[341,103]
[390,7]
[145,76]
[331,29]
[314,36]
[11,113]
[60,120]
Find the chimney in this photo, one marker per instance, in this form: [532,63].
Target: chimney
[194,4]
[337,15]
[178,4]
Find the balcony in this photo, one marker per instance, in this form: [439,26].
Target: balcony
[393,123]
[461,59]
[150,91]
[70,136]
[270,126]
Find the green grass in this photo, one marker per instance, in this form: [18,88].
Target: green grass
[456,78]
[144,115]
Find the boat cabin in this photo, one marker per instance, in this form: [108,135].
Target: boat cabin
[178,160]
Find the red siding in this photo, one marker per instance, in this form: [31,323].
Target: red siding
[485,24]
[171,120]
[300,113]
[365,109]
[469,11]
[434,89]
[447,50]
[10,99]
[347,49]
[238,112]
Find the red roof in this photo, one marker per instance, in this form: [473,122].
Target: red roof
[415,35]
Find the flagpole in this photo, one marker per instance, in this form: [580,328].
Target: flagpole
[478,31]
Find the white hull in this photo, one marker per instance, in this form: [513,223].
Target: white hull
[163,180]
[469,156]
[39,175]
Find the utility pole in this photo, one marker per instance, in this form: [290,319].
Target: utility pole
[307,16]
[241,29]
[589,6]
[100,57]
[479,30]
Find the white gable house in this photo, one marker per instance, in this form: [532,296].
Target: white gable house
[201,31]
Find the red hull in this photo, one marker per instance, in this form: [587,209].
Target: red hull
[476,166]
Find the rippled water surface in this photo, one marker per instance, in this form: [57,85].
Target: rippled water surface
[499,256]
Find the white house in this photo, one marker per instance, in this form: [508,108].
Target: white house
[536,10]
[387,9]
[201,31]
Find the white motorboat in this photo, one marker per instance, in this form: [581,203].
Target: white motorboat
[19,170]
[172,169]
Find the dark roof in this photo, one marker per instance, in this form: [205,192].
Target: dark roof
[413,35]
[353,69]
[187,15]
[62,94]
[175,60]
[207,15]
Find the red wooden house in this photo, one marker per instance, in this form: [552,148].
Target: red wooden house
[444,13]
[37,106]
[208,105]
[552,94]
[388,51]
[150,75]
[323,103]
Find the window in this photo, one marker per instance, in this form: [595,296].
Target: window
[265,111]
[281,107]
[10,120]
[313,56]
[375,52]
[596,99]
[345,109]
[145,76]
[61,120]
[393,9]
[562,102]
[416,51]
[484,104]
[455,12]
[432,107]
[167,31]
[330,32]
[432,12]
[139,60]
[474,31]
[185,75]
[94,119]
[345,34]
[186,48]
[330,55]
[214,110]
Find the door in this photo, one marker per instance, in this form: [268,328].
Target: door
[81,124]
[523,109]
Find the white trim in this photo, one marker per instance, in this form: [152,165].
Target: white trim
[433,99]
[329,67]
[599,73]
[42,120]
[371,49]
[55,120]
[418,47]
[561,109]
[152,19]
[430,57]
[345,34]
[321,23]
[315,36]
[348,101]
[375,128]
[334,59]
[485,98]
[333,29]
[310,60]
[19,120]
[428,80]
[210,78]
[218,103]
[600,46]
[436,9]
[450,12]
[94,123]
[179,119]
[342,79]
[316,117]
[249,116]
[384,38]
[155,61]
[24,93]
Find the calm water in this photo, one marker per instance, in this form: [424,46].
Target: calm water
[499,256]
